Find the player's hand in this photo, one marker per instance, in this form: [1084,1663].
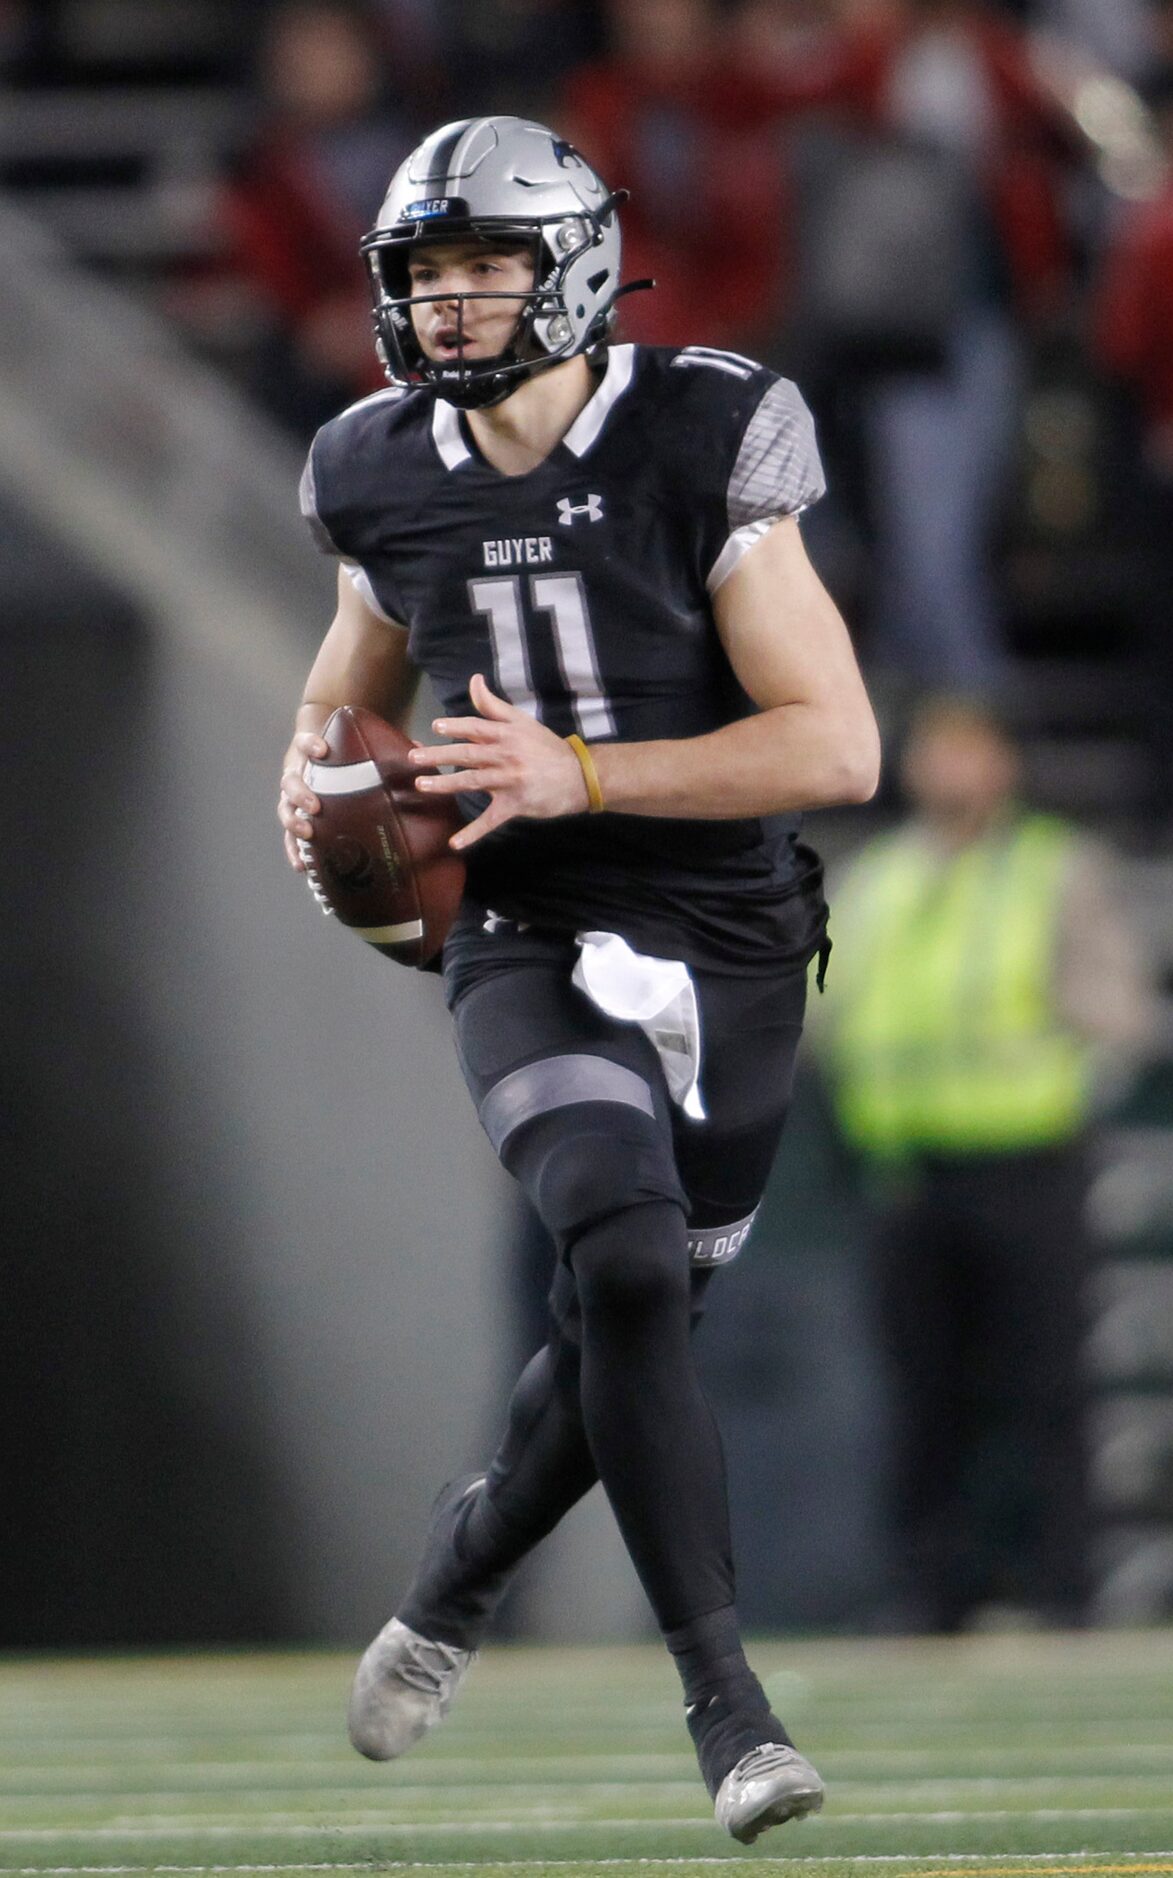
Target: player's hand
[297,802]
[524,766]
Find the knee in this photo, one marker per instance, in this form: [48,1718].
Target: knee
[634,1267]
[577,1179]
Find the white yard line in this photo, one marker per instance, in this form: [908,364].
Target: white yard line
[446,1792]
[184,1753]
[285,1825]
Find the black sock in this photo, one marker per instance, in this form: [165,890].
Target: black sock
[450,1599]
[726,1707]
[541,1469]
[707,1653]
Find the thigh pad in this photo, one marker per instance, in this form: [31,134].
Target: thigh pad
[573,1103]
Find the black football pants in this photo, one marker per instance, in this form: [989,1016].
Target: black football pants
[642,1204]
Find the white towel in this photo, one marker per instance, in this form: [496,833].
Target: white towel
[656,994]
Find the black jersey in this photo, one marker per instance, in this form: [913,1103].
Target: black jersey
[582,590]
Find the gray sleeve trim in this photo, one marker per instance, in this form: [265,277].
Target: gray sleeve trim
[360,580]
[553,1083]
[736,547]
[307,494]
[778,471]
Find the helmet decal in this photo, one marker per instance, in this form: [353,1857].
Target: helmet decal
[433,206]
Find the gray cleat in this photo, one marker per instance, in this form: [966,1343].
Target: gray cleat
[403,1686]
[769,1785]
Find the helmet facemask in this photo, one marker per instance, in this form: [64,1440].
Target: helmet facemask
[545,333]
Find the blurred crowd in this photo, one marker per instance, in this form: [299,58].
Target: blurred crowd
[950,220]
[914,207]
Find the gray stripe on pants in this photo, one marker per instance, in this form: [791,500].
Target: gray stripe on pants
[554,1083]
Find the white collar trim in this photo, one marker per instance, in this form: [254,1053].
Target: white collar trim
[448,436]
[587,425]
[583,433]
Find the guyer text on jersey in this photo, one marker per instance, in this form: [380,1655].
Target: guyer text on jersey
[519,551]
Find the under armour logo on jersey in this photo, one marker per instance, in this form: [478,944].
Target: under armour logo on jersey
[592,508]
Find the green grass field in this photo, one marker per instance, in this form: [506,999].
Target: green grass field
[1001,1756]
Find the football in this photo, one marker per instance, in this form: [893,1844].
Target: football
[379,859]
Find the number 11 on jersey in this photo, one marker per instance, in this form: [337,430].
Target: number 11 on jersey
[563,598]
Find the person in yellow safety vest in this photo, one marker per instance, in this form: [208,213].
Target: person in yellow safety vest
[983,970]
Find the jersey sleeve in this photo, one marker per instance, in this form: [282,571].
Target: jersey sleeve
[776,471]
[331,504]
[307,495]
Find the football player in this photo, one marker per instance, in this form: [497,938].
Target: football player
[593,551]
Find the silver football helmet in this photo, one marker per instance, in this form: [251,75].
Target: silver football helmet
[498,179]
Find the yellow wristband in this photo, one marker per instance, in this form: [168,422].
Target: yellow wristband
[590,774]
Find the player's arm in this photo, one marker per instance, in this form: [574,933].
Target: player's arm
[812,743]
[362,660]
